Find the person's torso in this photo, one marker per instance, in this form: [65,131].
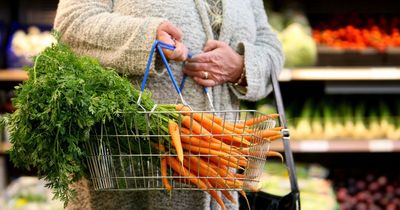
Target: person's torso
[238,25]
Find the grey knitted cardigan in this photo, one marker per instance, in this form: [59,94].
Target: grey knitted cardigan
[120,34]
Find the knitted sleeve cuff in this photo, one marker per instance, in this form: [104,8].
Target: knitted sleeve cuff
[255,74]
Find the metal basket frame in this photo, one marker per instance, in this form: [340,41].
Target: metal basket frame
[114,163]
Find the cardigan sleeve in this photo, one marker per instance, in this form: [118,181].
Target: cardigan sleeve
[260,58]
[91,28]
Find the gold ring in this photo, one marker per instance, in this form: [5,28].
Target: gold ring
[205,75]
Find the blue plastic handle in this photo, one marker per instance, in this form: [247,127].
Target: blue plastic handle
[159,46]
[146,72]
[168,69]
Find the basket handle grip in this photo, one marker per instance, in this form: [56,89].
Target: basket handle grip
[286,139]
[159,46]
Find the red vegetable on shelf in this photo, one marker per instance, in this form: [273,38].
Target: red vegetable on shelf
[354,35]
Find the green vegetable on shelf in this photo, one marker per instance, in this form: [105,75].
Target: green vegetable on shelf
[348,128]
[374,126]
[316,125]
[329,128]
[386,122]
[303,127]
[298,46]
[395,134]
[360,130]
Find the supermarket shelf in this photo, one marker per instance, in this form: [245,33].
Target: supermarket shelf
[341,73]
[4,147]
[13,75]
[311,73]
[378,145]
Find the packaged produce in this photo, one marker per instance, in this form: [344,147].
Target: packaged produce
[368,191]
[294,32]
[316,192]
[26,44]
[340,119]
[298,46]
[29,193]
[358,33]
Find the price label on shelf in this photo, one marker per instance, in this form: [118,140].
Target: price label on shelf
[381,146]
[314,146]
[285,75]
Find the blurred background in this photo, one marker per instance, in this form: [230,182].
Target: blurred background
[339,85]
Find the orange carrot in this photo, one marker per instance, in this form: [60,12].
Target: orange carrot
[212,145]
[214,194]
[219,161]
[222,169]
[183,108]
[194,138]
[277,128]
[159,147]
[256,120]
[211,119]
[202,150]
[227,179]
[221,173]
[268,133]
[203,169]
[240,176]
[275,137]
[195,127]
[223,157]
[176,166]
[228,196]
[187,111]
[235,127]
[214,128]
[274,154]
[258,153]
[200,168]
[193,134]
[165,181]
[202,183]
[239,160]
[215,118]
[173,128]
[180,179]
[245,197]
[209,166]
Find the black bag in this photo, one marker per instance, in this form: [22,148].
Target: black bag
[266,201]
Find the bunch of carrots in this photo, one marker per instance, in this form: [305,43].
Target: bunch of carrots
[209,150]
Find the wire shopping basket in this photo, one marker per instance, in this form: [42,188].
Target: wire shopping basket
[122,155]
[127,160]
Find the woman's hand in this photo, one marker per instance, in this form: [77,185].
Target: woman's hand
[217,65]
[170,34]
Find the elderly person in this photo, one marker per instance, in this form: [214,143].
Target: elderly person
[234,51]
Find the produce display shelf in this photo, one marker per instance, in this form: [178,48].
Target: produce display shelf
[341,73]
[309,146]
[311,73]
[13,75]
[4,147]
